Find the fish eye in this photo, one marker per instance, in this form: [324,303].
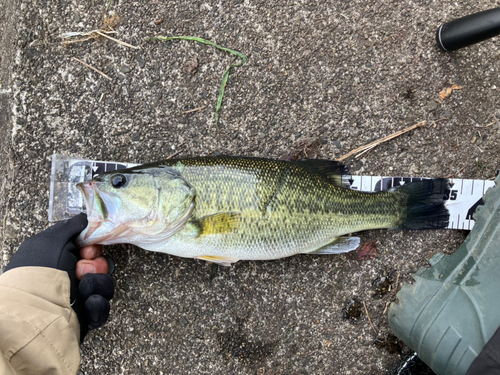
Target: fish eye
[118,181]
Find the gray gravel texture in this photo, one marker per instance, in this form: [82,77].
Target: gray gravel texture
[346,72]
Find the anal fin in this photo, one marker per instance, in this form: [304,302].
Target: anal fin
[223,261]
[339,246]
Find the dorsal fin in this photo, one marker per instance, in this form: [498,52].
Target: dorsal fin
[330,169]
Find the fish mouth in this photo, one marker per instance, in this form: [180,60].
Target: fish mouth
[87,190]
[93,201]
[95,216]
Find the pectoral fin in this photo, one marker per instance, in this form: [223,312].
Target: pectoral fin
[340,245]
[224,222]
[223,261]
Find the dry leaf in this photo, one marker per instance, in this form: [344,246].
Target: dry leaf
[307,149]
[110,23]
[447,92]
[367,251]
[191,67]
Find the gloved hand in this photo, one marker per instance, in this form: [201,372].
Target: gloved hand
[55,248]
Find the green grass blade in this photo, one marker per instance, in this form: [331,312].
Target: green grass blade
[226,74]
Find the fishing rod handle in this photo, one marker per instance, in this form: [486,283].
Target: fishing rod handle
[468,30]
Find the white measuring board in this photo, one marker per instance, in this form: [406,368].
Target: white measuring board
[66,201]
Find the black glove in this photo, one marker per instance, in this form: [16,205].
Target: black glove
[55,248]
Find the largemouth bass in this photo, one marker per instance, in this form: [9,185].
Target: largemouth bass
[224,209]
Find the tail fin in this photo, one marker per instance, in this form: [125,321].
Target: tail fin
[424,204]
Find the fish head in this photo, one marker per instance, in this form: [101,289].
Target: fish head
[135,206]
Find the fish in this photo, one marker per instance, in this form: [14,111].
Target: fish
[224,209]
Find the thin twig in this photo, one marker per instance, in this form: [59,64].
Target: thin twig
[92,34]
[193,110]
[486,126]
[94,69]
[369,146]
[368,315]
[116,40]
[66,43]
[386,306]
[71,34]
[174,154]
[177,152]
[364,152]
[454,174]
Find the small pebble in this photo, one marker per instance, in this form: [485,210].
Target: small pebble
[432,106]
[125,69]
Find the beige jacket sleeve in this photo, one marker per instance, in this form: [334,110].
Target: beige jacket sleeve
[39,331]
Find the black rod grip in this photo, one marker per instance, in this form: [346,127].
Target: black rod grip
[468,30]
